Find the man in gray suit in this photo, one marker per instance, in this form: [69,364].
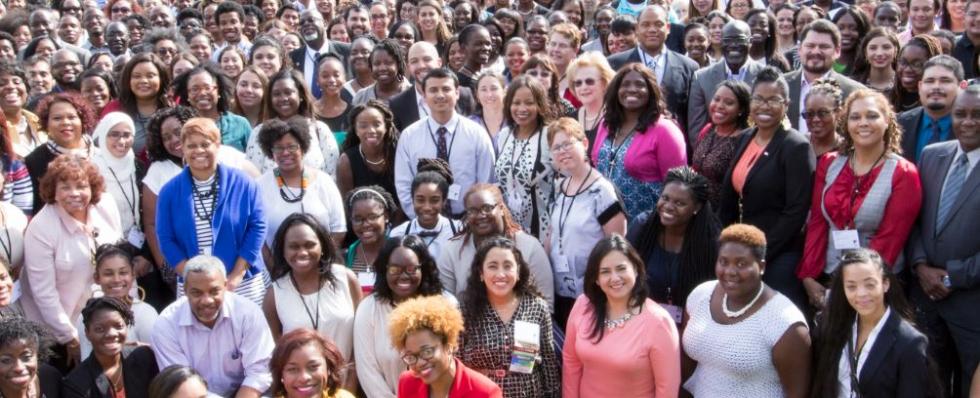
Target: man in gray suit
[736,37]
[945,245]
[673,70]
[819,48]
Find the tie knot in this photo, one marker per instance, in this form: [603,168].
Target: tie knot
[442,131]
[962,160]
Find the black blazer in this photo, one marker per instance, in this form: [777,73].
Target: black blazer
[898,363]
[776,195]
[405,106]
[341,50]
[89,380]
[678,76]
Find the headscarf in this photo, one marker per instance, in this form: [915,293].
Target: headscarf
[122,167]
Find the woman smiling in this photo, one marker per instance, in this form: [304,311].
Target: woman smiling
[23,350]
[305,364]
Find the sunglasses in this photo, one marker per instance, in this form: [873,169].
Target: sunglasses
[585,82]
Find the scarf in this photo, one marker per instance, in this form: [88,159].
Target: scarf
[123,167]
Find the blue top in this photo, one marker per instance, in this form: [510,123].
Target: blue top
[925,132]
[235,130]
[238,221]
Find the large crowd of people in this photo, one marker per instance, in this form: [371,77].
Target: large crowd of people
[494,198]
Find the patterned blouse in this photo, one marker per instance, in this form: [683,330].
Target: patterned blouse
[485,346]
[638,196]
[712,157]
[526,179]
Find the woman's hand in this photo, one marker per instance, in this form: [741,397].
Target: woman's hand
[815,292]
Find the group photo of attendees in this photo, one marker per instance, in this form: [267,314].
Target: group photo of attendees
[489,198]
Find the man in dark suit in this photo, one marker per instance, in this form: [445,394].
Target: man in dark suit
[965,48]
[313,30]
[945,245]
[409,106]
[932,122]
[735,38]
[673,70]
[819,48]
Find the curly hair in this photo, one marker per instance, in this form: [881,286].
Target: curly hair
[893,132]
[81,105]
[746,235]
[932,48]
[70,167]
[429,283]
[545,109]
[297,339]
[615,113]
[597,298]
[328,253]
[274,130]
[511,227]
[390,140]
[14,329]
[475,300]
[156,35]
[433,313]
[394,50]
[154,134]
[225,87]
[106,303]
[13,68]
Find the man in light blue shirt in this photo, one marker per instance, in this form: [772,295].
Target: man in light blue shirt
[222,335]
[443,134]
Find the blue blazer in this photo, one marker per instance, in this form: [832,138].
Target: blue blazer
[898,364]
[239,220]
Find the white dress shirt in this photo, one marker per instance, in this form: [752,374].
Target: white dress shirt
[471,157]
[309,62]
[234,353]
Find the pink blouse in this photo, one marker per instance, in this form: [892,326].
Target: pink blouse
[641,359]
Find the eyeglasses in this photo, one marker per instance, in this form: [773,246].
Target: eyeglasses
[201,89]
[163,52]
[485,209]
[562,147]
[366,220]
[585,82]
[394,270]
[285,149]
[914,65]
[768,102]
[815,114]
[121,9]
[425,354]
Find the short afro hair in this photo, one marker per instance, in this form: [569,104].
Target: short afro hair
[432,313]
[274,130]
[71,167]
[747,235]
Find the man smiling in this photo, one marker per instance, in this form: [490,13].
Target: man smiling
[305,59]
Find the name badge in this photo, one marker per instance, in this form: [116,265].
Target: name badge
[135,237]
[677,313]
[846,239]
[526,346]
[366,279]
[454,191]
[561,264]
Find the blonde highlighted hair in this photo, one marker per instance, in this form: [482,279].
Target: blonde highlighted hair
[432,313]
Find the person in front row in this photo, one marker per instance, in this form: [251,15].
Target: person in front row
[221,334]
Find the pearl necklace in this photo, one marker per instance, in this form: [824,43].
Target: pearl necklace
[735,314]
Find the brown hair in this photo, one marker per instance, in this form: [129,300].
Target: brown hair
[893,133]
[297,339]
[201,126]
[570,127]
[69,167]
[85,112]
[546,111]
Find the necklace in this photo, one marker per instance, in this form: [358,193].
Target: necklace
[375,163]
[369,264]
[314,319]
[619,322]
[735,314]
[291,197]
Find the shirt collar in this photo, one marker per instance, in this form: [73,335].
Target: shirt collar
[945,122]
[805,83]
[973,156]
[451,125]
[323,49]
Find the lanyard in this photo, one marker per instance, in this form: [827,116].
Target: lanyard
[449,150]
[435,234]
[563,215]
[617,149]
[200,209]
[314,319]
[852,360]
[856,188]
[132,187]
[514,160]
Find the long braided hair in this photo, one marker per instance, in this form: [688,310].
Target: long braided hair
[699,250]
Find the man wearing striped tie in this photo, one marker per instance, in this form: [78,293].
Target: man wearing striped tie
[945,246]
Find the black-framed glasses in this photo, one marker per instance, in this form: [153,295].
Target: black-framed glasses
[769,102]
[366,220]
[485,209]
[425,354]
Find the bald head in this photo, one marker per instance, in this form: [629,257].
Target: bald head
[422,57]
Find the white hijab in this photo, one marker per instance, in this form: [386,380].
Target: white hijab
[122,167]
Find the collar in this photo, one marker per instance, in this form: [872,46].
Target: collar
[74,226]
[944,122]
[186,318]
[874,331]
[743,69]
[973,157]
[453,121]
[656,58]
[805,83]
[325,48]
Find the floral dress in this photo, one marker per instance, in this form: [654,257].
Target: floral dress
[524,172]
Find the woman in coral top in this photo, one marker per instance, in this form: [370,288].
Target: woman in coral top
[619,343]
[866,195]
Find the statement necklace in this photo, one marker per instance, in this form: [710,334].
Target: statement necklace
[618,323]
[281,182]
[735,314]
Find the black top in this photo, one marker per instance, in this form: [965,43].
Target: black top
[50,380]
[364,176]
[37,165]
[339,123]
[89,379]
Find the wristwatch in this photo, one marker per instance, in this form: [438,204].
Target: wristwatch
[946,282]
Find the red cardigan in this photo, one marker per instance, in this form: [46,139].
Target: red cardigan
[896,224]
[467,383]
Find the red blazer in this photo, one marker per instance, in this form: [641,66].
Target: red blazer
[467,383]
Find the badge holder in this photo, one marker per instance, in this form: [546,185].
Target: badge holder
[526,347]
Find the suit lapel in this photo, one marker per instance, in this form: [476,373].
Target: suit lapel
[413,108]
[767,154]
[971,183]
[794,97]
[883,344]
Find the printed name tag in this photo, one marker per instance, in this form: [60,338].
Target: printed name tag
[846,239]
